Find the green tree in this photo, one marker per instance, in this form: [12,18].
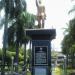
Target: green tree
[5,3]
[69,40]
[15,18]
[72,54]
[17,30]
[11,11]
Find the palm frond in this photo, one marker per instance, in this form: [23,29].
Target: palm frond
[72,10]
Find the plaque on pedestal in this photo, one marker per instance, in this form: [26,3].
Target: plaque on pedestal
[41,55]
[40,71]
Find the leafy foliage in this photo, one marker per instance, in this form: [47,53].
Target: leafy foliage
[15,21]
[68,43]
[25,20]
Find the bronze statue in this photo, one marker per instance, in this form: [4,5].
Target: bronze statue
[41,16]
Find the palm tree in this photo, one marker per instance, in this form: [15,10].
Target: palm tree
[69,40]
[25,20]
[72,10]
[20,5]
[9,7]
[5,36]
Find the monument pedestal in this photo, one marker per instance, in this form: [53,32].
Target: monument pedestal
[41,50]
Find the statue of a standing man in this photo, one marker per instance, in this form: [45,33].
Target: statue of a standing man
[40,13]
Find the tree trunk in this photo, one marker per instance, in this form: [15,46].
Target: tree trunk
[17,56]
[72,58]
[24,56]
[73,61]
[31,57]
[5,43]
[67,62]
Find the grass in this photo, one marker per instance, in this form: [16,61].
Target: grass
[70,71]
[28,73]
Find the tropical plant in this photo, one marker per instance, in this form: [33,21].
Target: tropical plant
[11,11]
[69,40]
[72,55]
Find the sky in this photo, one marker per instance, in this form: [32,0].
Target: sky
[56,17]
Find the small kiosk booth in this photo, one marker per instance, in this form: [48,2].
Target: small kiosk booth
[41,50]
